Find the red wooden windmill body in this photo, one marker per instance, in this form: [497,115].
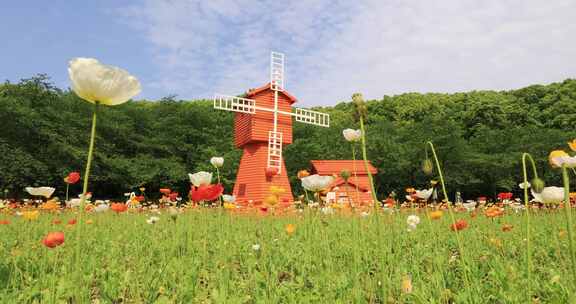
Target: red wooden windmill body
[262,126]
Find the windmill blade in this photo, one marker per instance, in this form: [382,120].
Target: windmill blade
[277,71]
[275,151]
[234,104]
[312,117]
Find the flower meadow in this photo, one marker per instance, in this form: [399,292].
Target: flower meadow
[198,255]
[203,245]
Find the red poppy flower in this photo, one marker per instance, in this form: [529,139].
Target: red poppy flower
[53,239]
[119,207]
[173,196]
[459,225]
[140,198]
[72,222]
[72,178]
[206,192]
[165,191]
[505,196]
[4,222]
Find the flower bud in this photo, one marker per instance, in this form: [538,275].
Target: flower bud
[538,185]
[427,167]
[361,109]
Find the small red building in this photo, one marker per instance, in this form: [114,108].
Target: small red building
[251,135]
[359,181]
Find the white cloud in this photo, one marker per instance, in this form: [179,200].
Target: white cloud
[377,47]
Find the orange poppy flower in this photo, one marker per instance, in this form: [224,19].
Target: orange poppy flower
[436,215]
[165,191]
[507,227]
[303,173]
[119,207]
[572,145]
[290,228]
[459,225]
[494,212]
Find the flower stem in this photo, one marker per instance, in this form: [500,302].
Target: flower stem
[67,186]
[452,218]
[82,203]
[528,247]
[355,173]
[370,179]
[569,229]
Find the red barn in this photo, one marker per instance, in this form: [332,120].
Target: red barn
[344,190]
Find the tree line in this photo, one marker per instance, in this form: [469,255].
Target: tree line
[479,135]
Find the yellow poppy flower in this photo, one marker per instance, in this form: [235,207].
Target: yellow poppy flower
[271,200]
[275,190]
[31,215]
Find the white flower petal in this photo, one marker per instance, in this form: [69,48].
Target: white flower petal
[109,85]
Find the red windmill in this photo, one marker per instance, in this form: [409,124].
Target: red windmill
[262,126]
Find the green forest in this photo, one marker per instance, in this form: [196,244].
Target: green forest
[479,136]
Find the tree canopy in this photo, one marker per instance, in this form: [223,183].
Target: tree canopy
[480,136]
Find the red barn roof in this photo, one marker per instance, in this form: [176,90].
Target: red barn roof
[329,167]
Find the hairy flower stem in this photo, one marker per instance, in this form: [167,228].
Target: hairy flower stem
[67,187]
[569,229]
[220,200]
[365,157]
[82,203]
[528,247]
[355,173]
[452,218]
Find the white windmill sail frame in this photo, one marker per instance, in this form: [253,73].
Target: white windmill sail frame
[234,104]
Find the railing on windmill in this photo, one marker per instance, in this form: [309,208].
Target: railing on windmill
[245,105]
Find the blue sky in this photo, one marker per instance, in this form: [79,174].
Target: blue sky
[334,48]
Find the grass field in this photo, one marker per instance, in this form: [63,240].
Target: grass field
[211,256]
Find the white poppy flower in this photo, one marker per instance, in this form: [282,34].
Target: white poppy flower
[152,220]
[527,184]
[352,135]
[41,191]
[549,195]
[316,182]
[256,247]
[413,220]
[217,162]
[424,194]
[101,208]
[327,210]
[96,82]
[411,227]
[568,161]
[200,178]
[228,198]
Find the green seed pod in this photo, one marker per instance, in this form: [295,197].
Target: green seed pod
[538,185]
[427,167]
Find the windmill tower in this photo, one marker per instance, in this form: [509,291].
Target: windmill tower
[262,127]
